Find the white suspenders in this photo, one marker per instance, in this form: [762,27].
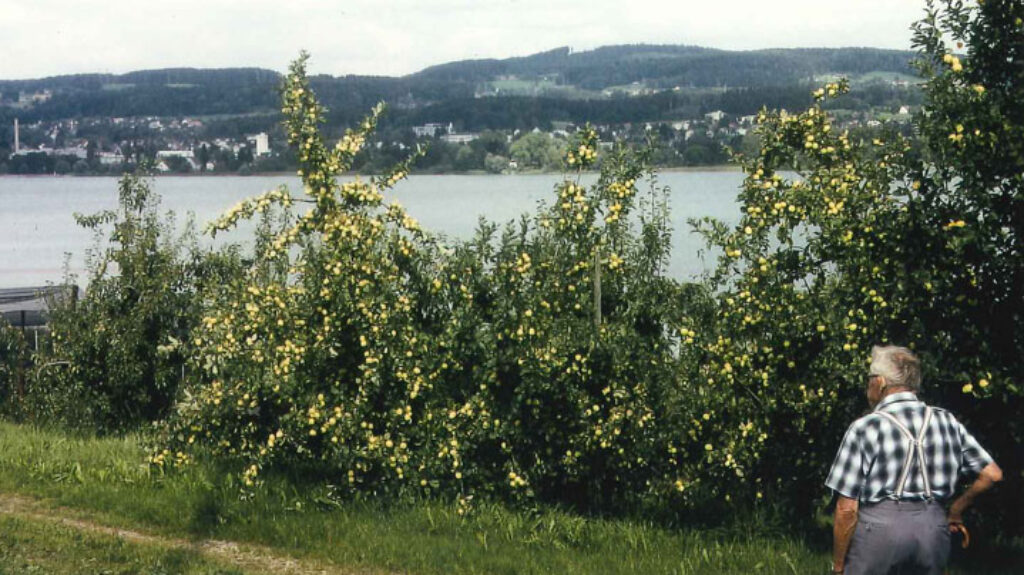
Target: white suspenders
[916,446]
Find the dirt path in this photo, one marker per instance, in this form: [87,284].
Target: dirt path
[251,558]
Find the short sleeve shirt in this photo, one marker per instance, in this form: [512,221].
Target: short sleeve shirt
[874,451]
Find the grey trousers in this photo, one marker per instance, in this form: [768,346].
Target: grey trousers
[908,537]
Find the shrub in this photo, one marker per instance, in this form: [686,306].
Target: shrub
[530,365]
[119,347]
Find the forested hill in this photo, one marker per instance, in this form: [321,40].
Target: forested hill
[670,66]
[614,78]
[167,92]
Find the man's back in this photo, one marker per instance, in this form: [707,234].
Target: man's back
[875,450]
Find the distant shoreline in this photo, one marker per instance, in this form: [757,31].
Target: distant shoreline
[682,169]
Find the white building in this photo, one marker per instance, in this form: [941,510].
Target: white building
[459,138]
[715,116]
[187,154]
[260,143]
[431,130]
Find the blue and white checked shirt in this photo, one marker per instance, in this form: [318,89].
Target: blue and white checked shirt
[874,450]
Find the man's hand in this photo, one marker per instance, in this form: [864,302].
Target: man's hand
[988,477]
[958,527]
[842,531]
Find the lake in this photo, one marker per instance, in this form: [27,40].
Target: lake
[38,230]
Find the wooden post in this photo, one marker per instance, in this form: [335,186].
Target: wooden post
[21,384]
[21,364]
[597,288]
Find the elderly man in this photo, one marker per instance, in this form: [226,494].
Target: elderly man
[896,468]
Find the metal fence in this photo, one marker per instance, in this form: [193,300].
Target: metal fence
[26,308]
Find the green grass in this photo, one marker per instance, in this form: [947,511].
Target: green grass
[39,547]
[885,78]
[630,89]
[875,77]
[517,86]
[104,480]
[540,87]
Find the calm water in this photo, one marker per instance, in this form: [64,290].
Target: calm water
[38,230]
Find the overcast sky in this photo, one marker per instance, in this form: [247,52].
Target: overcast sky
[394,37]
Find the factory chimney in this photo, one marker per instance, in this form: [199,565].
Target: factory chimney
[17,140]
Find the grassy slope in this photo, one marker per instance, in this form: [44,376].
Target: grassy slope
[104,480]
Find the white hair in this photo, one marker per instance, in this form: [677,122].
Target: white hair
[898,365]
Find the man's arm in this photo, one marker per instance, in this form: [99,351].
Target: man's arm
[989,476]
[842,531]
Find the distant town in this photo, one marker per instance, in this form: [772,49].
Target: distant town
[177,145]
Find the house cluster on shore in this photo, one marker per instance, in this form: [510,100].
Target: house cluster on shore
[113,142]
[189,144]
